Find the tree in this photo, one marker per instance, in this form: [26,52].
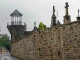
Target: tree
[3,42]
[6,42]
[41,25]
[5,37]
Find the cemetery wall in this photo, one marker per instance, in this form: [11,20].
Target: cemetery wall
[60,42]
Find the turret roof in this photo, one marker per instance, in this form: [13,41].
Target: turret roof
[16,13]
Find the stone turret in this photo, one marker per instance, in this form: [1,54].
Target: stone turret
[53,18]
[16,27]
[67,17]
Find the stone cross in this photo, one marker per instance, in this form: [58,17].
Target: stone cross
[53,10]
[78,12]
[66,8]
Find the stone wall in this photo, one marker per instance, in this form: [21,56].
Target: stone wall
[24,48]
[61,42]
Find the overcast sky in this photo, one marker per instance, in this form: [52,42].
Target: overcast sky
[36,10]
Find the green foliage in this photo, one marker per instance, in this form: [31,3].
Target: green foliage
[9,41]
[41,26]
[6,42]
[3,42]
[8,46]
[5,37]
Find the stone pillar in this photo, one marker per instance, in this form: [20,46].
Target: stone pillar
[53,10]
[66,8]
[53,18]
[34,24]
[78,18]
[35,28]
[67,17]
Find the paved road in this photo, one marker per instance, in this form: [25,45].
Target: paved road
[8,57]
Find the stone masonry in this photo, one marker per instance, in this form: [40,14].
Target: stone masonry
[60,42]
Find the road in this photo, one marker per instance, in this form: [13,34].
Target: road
[8,57]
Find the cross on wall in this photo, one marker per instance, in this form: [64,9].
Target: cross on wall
[66,8]
[78,12]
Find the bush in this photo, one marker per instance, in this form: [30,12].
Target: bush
[8,46]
